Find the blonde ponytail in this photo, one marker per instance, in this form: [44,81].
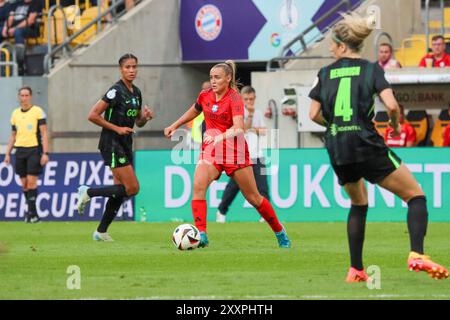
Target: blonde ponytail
[233,82]
[352,30]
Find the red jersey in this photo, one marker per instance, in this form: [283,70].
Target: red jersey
[408,134]
[233,153]
[441,63]
[219,114]
[447,136]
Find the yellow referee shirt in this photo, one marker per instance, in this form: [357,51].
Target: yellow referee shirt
[26,124]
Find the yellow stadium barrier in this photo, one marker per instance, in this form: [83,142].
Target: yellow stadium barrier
[7,59]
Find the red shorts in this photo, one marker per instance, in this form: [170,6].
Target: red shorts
[227,161]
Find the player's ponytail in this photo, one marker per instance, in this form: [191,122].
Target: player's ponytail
[232,65]
[352,30]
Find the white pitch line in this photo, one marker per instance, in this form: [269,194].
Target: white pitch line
[281,297]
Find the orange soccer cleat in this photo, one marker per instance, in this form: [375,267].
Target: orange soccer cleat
[355,275]
[419,262]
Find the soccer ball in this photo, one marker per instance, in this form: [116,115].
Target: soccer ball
[186,237]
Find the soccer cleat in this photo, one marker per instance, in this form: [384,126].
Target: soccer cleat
[99,236]
[203,240]
[283,240]
[83,199]
[220,218]
[35,219]
[355,275]
[418,262]
[262,220]
[27,218]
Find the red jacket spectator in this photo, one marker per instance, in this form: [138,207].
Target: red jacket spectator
[439,58]
[447,136]
[437,63]
[407,137]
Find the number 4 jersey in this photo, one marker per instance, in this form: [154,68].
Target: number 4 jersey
[346,90]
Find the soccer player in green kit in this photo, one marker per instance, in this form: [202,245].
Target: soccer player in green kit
[343,102]
[122,108]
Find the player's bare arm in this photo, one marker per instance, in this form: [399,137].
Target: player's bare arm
[11,141]
[95,116]
[315,113]
[391,104]
[145,115]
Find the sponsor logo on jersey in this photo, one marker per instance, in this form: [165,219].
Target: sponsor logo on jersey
[132,112]
[215,108]
[335,129]
[208,22]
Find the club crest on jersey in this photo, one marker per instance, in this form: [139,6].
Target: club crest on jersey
[215,108]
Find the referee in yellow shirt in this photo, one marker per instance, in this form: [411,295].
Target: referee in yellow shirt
[29,137]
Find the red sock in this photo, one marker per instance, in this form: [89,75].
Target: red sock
[266,211]
[199,213]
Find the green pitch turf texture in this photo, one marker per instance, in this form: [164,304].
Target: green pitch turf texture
[243,261]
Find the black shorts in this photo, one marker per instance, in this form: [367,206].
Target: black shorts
[373,170]
[28,161]
[117,158]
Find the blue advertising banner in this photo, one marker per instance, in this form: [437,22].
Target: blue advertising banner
[57,188]
[248,30]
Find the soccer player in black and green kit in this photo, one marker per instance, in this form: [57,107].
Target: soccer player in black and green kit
[122,108]
[343,102]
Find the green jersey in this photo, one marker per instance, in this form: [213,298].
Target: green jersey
[346,90]
[123,109]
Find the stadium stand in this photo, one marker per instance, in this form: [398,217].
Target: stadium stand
[441,123]
[419,120]
[58,20]
[381,121]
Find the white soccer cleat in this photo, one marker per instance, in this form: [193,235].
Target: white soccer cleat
[262,220]
[83,199]
[98,236]
[220,218]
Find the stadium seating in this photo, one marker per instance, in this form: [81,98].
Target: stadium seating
[381,121]
[411,51]
[57,25]
[418,119]
[439,127]
[87,16]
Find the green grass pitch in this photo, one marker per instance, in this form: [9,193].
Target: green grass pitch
[242,262]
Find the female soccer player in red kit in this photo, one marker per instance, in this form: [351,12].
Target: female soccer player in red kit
[223,109]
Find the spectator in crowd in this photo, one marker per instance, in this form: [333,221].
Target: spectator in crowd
[5,9]
[254,127]
[438,58]
[407,137]
[22,21]
[447,133]
[385,59]
[129,4]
